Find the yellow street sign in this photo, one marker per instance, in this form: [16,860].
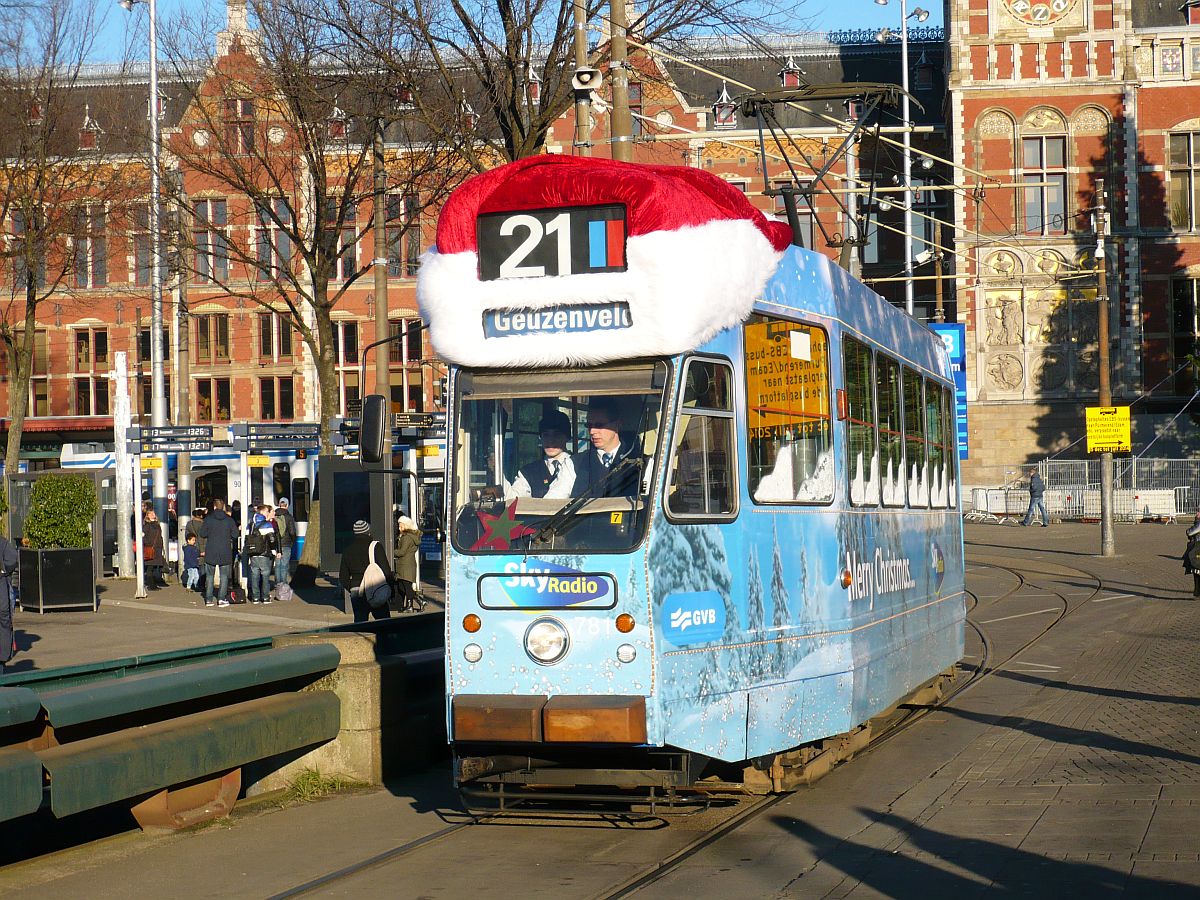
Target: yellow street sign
[258,462]
[1108,429]
[429,450]
[152,462]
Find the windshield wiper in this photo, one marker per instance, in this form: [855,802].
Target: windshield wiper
[551,525]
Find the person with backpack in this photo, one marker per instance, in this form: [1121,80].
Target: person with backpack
[366,575]
[287,541]
[259,550]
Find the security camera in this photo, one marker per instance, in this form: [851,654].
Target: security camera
[586,78]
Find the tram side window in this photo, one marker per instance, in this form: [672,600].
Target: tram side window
[949,427]
[863,461]
[936,445]
[701,480]
[300,499]
[281,481]
[790,458]
[891,431]
[914,440]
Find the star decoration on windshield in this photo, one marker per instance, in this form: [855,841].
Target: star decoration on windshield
[501,530]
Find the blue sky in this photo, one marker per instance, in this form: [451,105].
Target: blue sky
[123,30]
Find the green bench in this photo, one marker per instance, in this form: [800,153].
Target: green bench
[173,741]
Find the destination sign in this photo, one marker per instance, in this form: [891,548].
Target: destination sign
[414,420]
[169,438]
[175,432]
[557,319]
[538,243]
[276,429]
[303,442]
[787,380]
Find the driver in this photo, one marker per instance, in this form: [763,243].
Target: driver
[604,425]
[552,476]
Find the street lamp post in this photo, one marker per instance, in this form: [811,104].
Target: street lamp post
[884,35]
[158,392]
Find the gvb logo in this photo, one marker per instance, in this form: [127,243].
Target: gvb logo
[693,618]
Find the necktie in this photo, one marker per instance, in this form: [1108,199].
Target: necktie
[606,459]
[555,466]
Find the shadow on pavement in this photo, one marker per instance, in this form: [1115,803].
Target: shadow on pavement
[993,868]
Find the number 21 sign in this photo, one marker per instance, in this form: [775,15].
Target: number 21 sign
[538,243]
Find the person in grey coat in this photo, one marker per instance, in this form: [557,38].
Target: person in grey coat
[8,566]
[1037,492]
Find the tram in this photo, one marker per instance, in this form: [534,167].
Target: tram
[760,547]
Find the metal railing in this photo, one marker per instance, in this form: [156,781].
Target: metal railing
[1143,490]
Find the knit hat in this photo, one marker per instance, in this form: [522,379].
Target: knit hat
[674,255]
[361,527]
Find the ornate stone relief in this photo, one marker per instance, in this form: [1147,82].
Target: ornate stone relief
[1050,371]
[1003,263]
[1044,119]
[1090,120]
[1046,317]
[1003,315]
[1005,372]
[995,124]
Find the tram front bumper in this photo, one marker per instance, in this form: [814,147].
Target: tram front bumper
[566,719]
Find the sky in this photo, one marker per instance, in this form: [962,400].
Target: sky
[122,30]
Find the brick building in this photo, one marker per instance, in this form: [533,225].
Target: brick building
[1045,101]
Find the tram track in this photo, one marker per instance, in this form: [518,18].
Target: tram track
[751,811]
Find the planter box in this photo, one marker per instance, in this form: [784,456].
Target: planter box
[57,579]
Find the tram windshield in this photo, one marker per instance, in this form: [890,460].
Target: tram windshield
[556,460]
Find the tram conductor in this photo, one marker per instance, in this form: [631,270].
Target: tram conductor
[607,450]
[552,476]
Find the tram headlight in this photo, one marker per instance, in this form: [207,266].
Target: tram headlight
[626,653]
[546,641]
[472,653]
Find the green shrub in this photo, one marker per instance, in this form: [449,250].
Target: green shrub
[61,509]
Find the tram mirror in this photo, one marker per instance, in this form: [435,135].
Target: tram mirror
[374,431]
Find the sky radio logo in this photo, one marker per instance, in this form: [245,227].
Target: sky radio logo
[540,584]
[693,618]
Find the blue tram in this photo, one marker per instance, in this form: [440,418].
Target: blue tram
[702,498]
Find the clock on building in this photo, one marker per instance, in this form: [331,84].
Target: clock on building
[1038,12]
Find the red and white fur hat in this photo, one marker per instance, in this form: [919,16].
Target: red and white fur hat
[697,255]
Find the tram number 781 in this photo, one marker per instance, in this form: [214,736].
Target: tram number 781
[547,242]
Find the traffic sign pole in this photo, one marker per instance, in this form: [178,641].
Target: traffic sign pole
[1108,544]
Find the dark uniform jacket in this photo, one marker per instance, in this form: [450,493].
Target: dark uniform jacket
[589,469]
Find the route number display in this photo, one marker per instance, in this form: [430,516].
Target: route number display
[539,243]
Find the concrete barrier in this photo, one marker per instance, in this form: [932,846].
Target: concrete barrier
[392,711]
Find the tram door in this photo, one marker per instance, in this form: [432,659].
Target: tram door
[209,483]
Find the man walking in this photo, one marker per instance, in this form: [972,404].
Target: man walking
[1037,490]
[220,536]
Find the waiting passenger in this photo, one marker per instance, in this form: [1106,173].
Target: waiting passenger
[552,476]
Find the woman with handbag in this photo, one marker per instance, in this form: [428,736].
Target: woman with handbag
[366,575]
[152,550]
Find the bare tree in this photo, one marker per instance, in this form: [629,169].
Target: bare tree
[60,173]
[286,130]
[483,56]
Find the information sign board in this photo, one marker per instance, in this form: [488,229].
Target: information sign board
[152,462]
[1108,429]
[954,336]
[258,462]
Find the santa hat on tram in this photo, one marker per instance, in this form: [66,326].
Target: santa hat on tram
[697,254]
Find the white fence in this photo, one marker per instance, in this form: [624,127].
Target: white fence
[1143,490]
